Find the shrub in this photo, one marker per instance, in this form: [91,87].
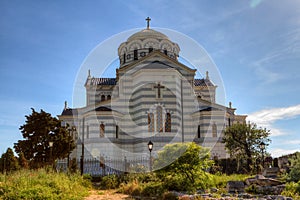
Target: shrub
[110,182]
[153,189]
[292,189]
[169,196]
[132,188]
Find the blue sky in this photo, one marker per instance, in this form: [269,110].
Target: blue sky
[255,44]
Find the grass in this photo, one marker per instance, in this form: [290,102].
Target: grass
[220,180]
[43,184]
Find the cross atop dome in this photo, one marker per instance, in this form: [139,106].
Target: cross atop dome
[148,19]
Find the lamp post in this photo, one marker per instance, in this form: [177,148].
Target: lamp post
[51,146]
[150,147]
[71,134]
[262,147]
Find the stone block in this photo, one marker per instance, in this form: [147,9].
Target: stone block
[235,187]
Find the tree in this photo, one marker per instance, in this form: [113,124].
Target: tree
[184,164]
[22,161]
[294,174]
[39,129]
[8,161]
[242,142]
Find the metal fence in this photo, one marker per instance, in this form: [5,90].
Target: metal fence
[107,166]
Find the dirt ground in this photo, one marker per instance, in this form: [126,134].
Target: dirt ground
[107,195]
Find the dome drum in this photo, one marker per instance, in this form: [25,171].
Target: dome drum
[144,42]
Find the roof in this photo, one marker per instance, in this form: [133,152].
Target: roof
[101,81]
[69,112]
[112,81]
[147,33]
[203,82]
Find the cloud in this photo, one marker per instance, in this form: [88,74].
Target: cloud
[275,153]
[267,117]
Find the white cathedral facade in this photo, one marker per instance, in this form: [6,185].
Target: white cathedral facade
[153,97]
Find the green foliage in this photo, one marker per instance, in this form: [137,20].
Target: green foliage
[189,166]
[153,189]
[133,188]
[242,141]
[39,129]
[292,189]
[294,174]
[40,184]
[169,196]
[8,161]
[22,161]
[110,182]
[220,180]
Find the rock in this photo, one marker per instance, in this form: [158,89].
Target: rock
[271,172]
[279,197]
[214,190]
[235,187]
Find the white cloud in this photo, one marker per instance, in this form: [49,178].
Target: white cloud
[267,117]
[275,153]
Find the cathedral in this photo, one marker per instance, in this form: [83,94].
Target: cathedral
[153,97]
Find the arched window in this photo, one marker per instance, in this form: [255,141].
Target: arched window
[150,49]
[199,132]
[124,58]
[159,119]
[102,130]
[135,54]
[117,131]
[150,122]
[108,97]
[214,130]
[168,123]
[103,97]
[165,52]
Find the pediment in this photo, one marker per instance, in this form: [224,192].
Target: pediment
[157,60]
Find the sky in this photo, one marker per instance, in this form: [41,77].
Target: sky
[255,45]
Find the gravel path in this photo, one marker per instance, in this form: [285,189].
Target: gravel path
[106,195]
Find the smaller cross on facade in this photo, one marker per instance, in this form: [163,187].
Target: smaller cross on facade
[158,87]
[148,22]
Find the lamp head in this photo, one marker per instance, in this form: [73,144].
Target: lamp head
[150,146]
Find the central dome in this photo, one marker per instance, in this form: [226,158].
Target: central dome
[143,43]
[147,33]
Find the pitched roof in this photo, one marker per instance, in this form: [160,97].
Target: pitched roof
[203,82]
[69,111]
[101,81]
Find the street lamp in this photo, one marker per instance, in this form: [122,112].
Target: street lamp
[262,147]
[50,145]
[150,147]
[71,134]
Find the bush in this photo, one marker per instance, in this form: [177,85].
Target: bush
[110,182]
[40,184]
[153,189]
[169,196]
[132,188]
[292,189]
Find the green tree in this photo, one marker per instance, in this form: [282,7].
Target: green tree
[184,165]
[39,129]
[242,142]
[22,161]
[8,161]
[294,174]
